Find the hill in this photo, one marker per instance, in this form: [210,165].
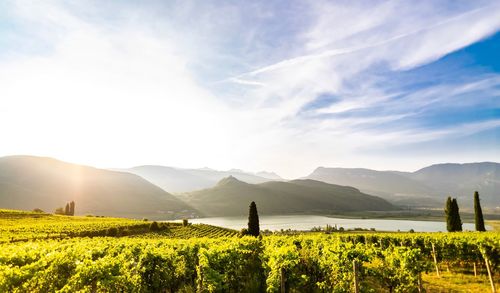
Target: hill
[185,180]
[426,187]
[28,182]
[231,197]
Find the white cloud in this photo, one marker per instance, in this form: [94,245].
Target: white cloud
[126,88]
[344,43]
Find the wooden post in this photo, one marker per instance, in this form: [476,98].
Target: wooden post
[355,271]
[420,285]
[283,281]
[487,261]
[475,269]
[93,288]
[435,259]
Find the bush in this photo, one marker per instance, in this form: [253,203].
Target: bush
[154,226]
[243,232]
[185,222]
[112,232]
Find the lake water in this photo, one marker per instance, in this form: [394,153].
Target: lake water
[304,222]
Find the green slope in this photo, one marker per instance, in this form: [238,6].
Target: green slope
[231,197]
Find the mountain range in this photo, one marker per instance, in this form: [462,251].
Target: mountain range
[185,180]
[427,187]
[160,192]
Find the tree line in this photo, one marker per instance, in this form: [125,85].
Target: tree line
[68,210]
[453,221]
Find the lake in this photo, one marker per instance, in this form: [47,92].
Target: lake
[306,222]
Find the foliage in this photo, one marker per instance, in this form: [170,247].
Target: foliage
[253,220]
[25,226]
[478,213]
[457,222]
[453,221]
[59,211]
[160,261]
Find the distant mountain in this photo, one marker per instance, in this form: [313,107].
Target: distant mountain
[461,180]
[231,197]
[269,175]
[34,182]
[427,187]
[185,180]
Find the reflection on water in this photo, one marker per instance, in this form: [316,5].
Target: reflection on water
[304,222]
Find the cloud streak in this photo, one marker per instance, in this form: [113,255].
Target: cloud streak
[161,82]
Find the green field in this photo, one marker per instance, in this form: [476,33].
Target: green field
[18,226]
[46,253]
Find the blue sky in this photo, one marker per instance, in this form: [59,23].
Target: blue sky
[259,85]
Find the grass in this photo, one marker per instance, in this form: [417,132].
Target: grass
[457,282]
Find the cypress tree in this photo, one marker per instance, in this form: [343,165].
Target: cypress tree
[66,209]
[448,210]
[478,213]
[72,208]
[457,222]
[253,220]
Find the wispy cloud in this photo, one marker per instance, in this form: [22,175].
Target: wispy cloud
[231,85]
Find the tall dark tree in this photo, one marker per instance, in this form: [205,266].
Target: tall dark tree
[478,213]
[253,220]
[66,210]
[72,208]
[457,222]
[448,210]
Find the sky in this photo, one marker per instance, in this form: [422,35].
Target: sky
[283,86]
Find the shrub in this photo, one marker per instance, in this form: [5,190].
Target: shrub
[113,232]
[154,226]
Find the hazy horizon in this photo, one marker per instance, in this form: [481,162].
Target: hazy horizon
[258,86]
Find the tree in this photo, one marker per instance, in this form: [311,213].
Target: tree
[253,220]
[448,210]
[154,226]
[72,208]
[59,211]
[478,213]
[66,210]
[457,222]
[453,221]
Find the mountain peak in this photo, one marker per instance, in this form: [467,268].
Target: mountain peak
[229,181]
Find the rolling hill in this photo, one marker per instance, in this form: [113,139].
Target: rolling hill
[28,182]
[185,180]
[231,197]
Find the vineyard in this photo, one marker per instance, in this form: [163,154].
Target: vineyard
[24,226]
[212,259]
